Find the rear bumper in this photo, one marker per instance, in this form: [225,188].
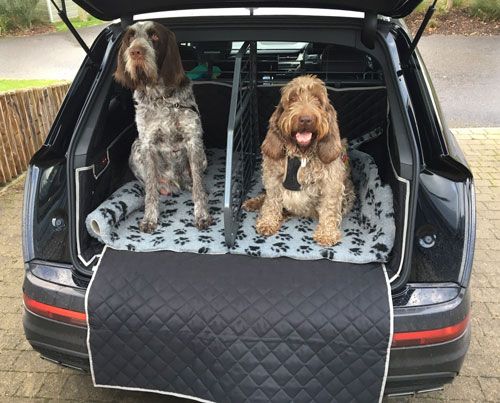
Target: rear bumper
[411,369]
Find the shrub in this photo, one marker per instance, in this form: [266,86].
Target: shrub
[15,14]
[486,9]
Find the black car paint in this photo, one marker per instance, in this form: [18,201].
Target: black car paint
[435,297]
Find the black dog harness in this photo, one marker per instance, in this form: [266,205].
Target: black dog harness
[292,170]
[293,164]
[177,105]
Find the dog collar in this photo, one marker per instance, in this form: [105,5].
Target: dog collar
[293,164]
[177,105]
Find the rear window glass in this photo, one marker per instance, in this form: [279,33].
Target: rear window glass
[281,61]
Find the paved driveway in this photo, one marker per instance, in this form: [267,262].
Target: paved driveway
[25,377]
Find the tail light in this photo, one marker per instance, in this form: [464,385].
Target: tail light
[54,312]
[433,336]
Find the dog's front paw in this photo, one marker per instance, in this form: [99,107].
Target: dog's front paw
[203,221]
[267,227]
[327,237]
[148,226]
[253,204]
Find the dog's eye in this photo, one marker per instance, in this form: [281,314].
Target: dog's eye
[154,37]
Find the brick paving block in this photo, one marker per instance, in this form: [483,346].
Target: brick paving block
[494,308]
[481,280]
[489,344]
[479,310]
[52,386]
[475,346]
[10,304]
[30,361]
[10,321]
[8,358]
[80,387]
[464,388]
[484,295]
[481,365]
[493,279]
[492,256]
[491,327]
[9,384]
[11,341]
[490,388]
[30,385]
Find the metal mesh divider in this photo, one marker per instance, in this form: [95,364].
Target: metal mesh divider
[242,138]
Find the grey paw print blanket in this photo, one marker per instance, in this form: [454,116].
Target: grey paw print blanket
[369,229]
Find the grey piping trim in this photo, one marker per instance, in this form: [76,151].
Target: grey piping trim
[471,202]
[407,204]
[77,221]
[391,333]
[77,195]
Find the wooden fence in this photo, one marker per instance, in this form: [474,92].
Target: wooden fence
[25,119]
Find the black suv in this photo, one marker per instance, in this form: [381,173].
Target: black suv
[377,81]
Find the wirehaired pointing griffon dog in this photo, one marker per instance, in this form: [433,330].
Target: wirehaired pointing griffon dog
[168,155]
[305,170]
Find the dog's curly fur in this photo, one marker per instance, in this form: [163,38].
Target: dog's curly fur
[168,154]
[327,192]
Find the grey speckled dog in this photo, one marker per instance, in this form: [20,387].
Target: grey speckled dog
[168,155]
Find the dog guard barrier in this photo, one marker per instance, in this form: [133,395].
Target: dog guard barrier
[242,138]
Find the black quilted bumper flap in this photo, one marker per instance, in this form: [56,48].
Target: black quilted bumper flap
[230,328]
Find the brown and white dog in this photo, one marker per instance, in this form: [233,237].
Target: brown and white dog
[168,155]
[305,170]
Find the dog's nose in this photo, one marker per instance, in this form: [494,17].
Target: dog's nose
[305,120]
[135,52]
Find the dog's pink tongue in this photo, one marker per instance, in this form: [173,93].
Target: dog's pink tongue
[303,138]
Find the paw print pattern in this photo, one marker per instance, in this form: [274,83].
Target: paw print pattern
[328,254]
[253,250]
[368,229]
[182,240]
[284,236]
[157,240]
[205,239]
[280,247]
[304,249]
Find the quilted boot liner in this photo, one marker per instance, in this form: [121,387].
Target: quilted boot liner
[229,328]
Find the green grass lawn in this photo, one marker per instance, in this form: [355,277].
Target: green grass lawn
[78,23]
[10,85]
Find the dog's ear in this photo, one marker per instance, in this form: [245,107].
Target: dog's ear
[121,76]
[330,146]
[170,65]
[273,146]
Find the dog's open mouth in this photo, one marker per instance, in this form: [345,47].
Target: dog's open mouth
[303,138]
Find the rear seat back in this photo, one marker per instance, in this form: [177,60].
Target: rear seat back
[358,110]
[213,100]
